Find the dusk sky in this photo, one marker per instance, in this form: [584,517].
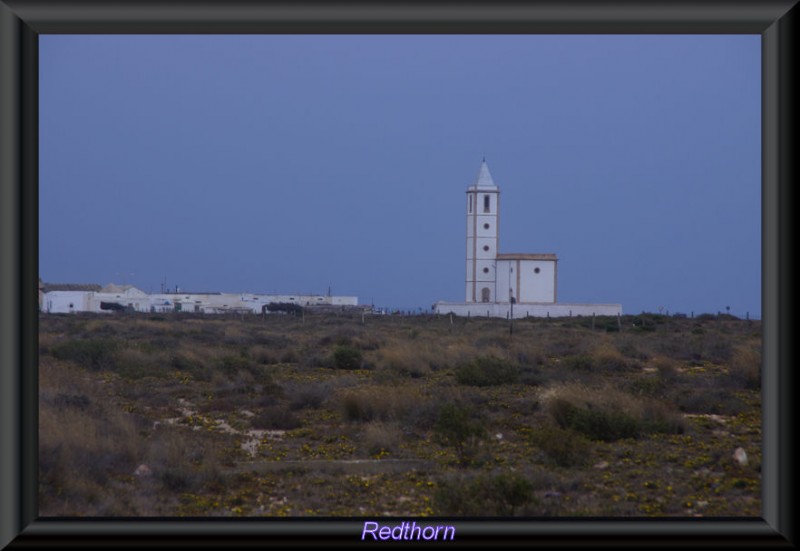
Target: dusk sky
[288,164]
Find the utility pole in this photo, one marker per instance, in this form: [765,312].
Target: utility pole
[510,303]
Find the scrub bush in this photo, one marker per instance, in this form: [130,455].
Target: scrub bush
[563,447]
[487,371]
[460,429]
[347,357]
[94,354]
[505,494]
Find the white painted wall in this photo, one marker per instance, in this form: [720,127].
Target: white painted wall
[501,310]
[537,287]
[66,302]
[482,242]
[524,283]
[231,302]
[87,301]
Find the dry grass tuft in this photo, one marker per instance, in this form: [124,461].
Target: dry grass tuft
[608,413]
[370,403]
[380,438]
[744,367]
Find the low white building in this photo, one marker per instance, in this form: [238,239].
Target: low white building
[218,303]
[120,297]
[498,284]
[67,302]
[64,299]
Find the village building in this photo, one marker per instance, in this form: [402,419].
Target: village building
[74,298]
[66,297]
[507,284]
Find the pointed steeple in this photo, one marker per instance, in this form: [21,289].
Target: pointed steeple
[484,178]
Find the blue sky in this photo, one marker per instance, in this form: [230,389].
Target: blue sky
[293,163]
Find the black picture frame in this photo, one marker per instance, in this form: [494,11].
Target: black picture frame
[22,21]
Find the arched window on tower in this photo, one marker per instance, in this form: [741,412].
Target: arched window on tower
[470,203]
[485,203]
[485,294]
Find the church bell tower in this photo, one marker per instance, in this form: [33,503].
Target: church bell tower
[483,202]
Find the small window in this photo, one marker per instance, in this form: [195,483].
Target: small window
[486,226]
[470,203]
[536,270]
[485,294]
[486,270]
[486,247]
[485,203]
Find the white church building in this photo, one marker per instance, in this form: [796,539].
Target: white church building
[508,284]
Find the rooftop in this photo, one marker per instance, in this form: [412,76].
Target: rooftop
[484,179]
[47,287]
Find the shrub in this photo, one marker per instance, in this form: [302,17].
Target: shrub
[311,395]
[563,447]
[405,360]
[264,355]
[80,449]
[744,369]
[276,418]
[457,427]
[658,417]
[505,494]
[381,437]
[510,491]
[135,363]
[309,357]
[598,424]
[273,341]
[710,400]
[717,348]
[609,414]
[369,403]
[94,354]
[184,463]
[608,359]
[578,363]
[192,363]
[232,364]
[346,357]
[667,369]
[487,371]
[79,401]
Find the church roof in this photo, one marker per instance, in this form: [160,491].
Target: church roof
[484,178]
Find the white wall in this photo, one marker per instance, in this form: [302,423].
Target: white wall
[66,302]
[88,301]
[230,301]
[501,310]
[525,283]
[479,237]
[537,287]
